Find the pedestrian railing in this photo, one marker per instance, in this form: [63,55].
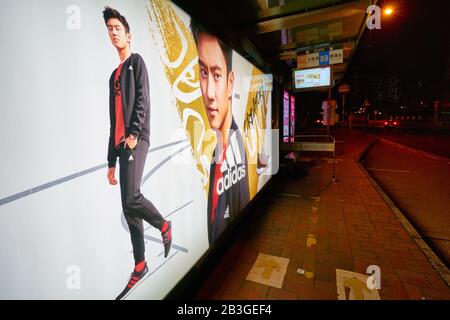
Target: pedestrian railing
[328,146]
[313,143]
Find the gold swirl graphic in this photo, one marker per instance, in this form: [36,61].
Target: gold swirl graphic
[255,125]
[179,57]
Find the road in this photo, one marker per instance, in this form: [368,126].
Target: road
[436,142]
[418,183]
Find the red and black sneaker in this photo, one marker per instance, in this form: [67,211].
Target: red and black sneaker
[136,279]
[167,238]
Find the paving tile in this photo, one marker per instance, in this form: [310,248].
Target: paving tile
[233,286]
[300,280]
[247,294]
[413,292]
[436,281]
[280,294]
[433,294]
[324,295]
[257,287]
[396,289]
[228,297]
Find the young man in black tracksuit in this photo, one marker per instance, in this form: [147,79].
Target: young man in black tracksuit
[228,185]
[129,110]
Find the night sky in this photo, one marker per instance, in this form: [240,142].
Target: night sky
[412,42]
[405,62]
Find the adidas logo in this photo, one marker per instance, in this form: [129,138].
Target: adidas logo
[230,178]
[130,68]
[131,157]
[226,215]
[233,167]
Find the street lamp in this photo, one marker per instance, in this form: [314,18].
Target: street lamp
[388,11]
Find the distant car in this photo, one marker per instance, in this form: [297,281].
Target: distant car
[391,124]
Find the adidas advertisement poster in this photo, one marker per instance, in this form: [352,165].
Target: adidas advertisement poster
[144,136]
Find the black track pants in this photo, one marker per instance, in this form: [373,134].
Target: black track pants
[135,206]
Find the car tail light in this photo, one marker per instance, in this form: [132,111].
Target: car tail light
[385,123]
[395,123]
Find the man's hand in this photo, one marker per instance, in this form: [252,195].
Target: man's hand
[131,141]
[111,176]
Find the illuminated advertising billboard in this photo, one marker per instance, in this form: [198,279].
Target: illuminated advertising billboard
[140,137]
[315,78]
[292,119]
[286,116]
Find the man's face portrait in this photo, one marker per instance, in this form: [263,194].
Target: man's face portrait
[216,82]
[117,33]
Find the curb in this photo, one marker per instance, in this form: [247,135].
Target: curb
[435,261]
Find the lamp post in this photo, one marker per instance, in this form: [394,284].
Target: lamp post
[388,12]
[343,89]
[366,106]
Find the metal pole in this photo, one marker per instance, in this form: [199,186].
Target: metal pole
[343,110]
[328,113]
[365,120]
[334,160]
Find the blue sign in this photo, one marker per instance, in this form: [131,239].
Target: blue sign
[324,58]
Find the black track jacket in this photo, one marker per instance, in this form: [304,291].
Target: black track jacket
[134,84]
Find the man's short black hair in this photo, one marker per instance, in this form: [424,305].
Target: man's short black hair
[110,13]
[197,29]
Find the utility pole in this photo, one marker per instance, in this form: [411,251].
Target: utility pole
[328,113]
[366,106]
[344,89]
[343,110]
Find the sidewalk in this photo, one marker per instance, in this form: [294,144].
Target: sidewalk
[348,226]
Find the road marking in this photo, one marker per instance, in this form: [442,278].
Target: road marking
[293,195]
[431,157]
[337,160]
[388,170]
[269,270]
[339,141]
[353,286]
[314,216]
[311,241]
